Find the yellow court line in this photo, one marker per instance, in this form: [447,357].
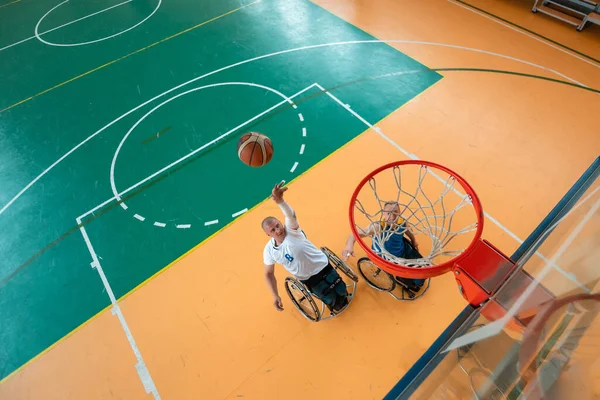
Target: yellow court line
[156,274]
[172,263]
[8,4]
[53,345]
[128,55]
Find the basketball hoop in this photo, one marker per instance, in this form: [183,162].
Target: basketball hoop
[419,198]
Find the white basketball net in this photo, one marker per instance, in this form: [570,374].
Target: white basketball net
[425,214]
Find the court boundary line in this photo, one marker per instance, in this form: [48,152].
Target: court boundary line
[227,67]
[527,32]
[140,367]
[569,276]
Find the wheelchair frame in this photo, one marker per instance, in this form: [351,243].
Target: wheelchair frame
[293,285]
[407,294]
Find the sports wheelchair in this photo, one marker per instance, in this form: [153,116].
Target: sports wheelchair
[306,302]
[380,280]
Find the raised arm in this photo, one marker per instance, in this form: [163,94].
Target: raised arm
[363,232]
[290,216]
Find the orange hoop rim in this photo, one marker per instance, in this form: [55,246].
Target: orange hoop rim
[423,272]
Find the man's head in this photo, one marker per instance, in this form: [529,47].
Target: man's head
[391,212]
[274,228]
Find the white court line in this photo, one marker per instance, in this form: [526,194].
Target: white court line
[119,195]
[302,149]
[301,117]
[286,99]
[160,224]
[237,214]
[140,367]
[37,26]
[184,226]
[216,221]
[304,132]
[569,276]
[250,60]
[525,33]
[495,327]
[294,167]
[67,24]
[138,216]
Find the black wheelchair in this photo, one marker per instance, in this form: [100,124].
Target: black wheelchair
[306,302]
[380,280]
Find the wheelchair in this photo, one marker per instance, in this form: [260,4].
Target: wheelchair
[382,281]
[306,302]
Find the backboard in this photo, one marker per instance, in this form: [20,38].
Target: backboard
[538,337]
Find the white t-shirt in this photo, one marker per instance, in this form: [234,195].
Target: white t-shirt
[297,254]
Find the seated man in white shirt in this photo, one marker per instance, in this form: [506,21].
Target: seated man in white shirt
[290,247]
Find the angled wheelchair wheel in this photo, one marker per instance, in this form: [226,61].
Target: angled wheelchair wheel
[376,277]
[408,293]
[302,299]
[340,265]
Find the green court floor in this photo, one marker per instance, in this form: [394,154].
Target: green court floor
[172,161]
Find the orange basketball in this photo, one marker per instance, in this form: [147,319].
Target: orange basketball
[255,149]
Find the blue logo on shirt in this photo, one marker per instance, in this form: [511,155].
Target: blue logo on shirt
[289,258]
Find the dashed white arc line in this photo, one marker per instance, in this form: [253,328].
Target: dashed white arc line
[237,214]
[160,224]
[288,99]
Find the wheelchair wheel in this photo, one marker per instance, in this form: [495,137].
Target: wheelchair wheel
[302,299]
[375,276]
[339,264]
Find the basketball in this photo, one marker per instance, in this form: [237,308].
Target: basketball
[255,149]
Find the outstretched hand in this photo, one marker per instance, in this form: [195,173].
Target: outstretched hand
[278,303]
[347,253]
[277,192]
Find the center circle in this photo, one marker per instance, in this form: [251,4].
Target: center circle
[38,35]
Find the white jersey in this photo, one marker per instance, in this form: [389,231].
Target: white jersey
[297,254]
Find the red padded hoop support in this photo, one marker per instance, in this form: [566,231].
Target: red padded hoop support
[423,272]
